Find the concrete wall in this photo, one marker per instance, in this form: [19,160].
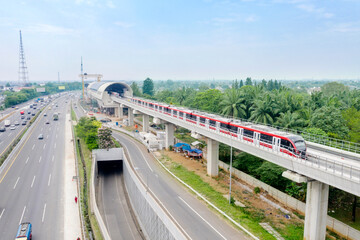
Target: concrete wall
[332,224]
[152,216]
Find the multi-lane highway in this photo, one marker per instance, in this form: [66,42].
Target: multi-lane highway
[31,183]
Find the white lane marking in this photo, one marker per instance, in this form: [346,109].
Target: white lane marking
[44,145]
[55,145]
[56,135]
[33,181]
[33,147]
[16,182]
[42,129]
[47,137]
[53,158]
[9,134]
[2,212]
[42,220]
[40,159]
[49,180]
[49,128]
[27,160]
[201,217]
[22,215]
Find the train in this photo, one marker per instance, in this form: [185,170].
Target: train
[260,135]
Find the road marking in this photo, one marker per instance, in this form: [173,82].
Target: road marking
[40,159]
[33,147]
[53,158]
[9,134]
[49,180]
[47,137]
[22,215]
[44,145]
[27,160]
[201,217]
[2,213]
[55,145]
[56,135]
[42,220]
[42,129]
[16,182]
[33,181]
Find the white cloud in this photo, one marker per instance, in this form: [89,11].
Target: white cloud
[110,4]
[349,27]
[312,9]
[124,24]
[50,29]
[251,18]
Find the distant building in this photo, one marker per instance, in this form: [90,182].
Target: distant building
[314,89]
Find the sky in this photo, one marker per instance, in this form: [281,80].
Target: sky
[182,40]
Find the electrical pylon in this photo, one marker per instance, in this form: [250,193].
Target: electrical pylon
[23,72]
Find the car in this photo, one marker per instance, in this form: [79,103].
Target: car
[33,114]
[12,127]
[2,129]
[23,123]
[29,112]
[45,114]
[28,118]
[22,117]
[41,136]
[16,123]
[47,122]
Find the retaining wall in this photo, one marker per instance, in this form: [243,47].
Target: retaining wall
[332,224]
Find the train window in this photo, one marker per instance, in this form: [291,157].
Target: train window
[248,133]
[151,105]
[167,109]
[175,112]
[188,116]
[286,144]
[233,128]
[202,120]
[156,107]
[224,125]
[181,114]
[212,123]
[193,117]
[266,138]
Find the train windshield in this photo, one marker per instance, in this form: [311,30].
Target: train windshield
[300,145]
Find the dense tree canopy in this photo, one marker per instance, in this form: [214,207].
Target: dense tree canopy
[148,87]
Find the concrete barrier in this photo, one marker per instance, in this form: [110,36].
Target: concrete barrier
[332,224]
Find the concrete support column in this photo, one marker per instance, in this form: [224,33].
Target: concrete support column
[121,112]
[169,132]
[116,111]
[316,210]
[212,157]
[130,116]
[145,122]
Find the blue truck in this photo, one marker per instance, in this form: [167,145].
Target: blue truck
[24,232]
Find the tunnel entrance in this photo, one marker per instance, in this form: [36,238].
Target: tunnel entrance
[106,168]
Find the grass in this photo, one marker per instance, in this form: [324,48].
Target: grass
[245,218]
[87,158]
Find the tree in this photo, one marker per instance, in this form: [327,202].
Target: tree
[290,120]
[135,89]
[333,88]
[181,95]
[8,84]
[104,138]
[241,83]
[148,87]
[272,174]
[331,121]
[208,101]
[232,104]
[263,110]
[352,120]
[248,81]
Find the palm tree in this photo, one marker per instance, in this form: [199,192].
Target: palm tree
[263,110]
[232,104]
[181,95]
[290,120]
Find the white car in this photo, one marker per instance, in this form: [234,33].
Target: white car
[12,127]
[16,123]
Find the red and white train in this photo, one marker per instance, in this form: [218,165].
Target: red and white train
[293,145]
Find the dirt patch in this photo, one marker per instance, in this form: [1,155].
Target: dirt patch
[258,208]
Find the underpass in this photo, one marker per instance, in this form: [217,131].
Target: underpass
[111,196]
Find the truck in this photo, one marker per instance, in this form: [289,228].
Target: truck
[55,117]
[7,123]
[24,232]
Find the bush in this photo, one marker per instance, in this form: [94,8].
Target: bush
[256,190]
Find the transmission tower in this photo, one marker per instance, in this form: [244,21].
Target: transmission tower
[23,72]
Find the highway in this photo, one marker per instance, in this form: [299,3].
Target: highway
[197,220]
[31,183]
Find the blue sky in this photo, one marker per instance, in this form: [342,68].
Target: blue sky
[179,40]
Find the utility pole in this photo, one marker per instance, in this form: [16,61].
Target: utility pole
[23,72]
[82,79]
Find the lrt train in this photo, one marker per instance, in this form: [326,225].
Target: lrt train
[291,144]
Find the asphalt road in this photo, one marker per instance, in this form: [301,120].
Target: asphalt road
[197,220]
[31,184]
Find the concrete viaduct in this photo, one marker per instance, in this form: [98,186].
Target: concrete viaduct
[331,167]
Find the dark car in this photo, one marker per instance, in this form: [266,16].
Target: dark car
[28,118]
[33,114]
[2,129]
[22,117]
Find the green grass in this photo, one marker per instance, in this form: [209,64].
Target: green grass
[73,115]
[249,220]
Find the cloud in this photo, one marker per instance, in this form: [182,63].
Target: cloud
[124,24]
[110,4]
[312,9]
[349,27]
[251,18]
[50,29]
